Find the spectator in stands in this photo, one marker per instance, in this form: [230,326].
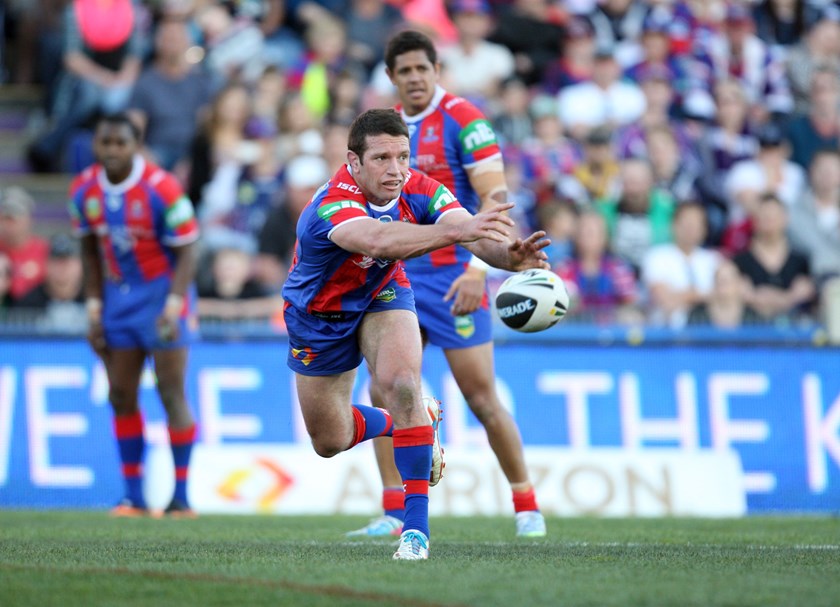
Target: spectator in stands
[726,306]
[679,275]
[548,155]
[27,251]
[221,137]
[598,175]
[237,200]
[335,145]
[530,29]
[618,25]
[740,54]
[631,139]
[59,299]
[640,216]
[674,170]
[369,25]
[815,218]
[282,45]
[526,198]
[231,293]
[512,119]
[299,131]
[103,50]
[770,171]
[345,94]
[725,143]
[819,47]
[475,67]
[234,45]
[577,54]
[559,218]
[602,287]
[302,177]
[819,128]
[783,22]
[604,101]
[658,58]
[6,300]
[780,277]
[325,60]
[169,94]
[268,95]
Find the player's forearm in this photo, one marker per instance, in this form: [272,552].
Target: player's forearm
[400,240]
[92,265]
[488,181]
[184,271]
[496,254]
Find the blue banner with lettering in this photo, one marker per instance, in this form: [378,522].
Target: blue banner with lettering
[777,406]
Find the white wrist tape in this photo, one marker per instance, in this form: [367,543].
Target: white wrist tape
[478,263]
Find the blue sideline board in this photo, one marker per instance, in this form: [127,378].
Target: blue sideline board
[778,406]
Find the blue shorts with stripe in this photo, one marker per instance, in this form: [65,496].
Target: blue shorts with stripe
[326,343]
[130,312]
[442,329]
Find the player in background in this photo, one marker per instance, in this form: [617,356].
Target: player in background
[138,233]
[452,142]
[348,300]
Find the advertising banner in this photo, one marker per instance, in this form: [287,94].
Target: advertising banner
[777,408]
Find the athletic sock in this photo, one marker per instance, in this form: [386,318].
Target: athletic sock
[393,502]
[524,501]
[129,432]
[369,423]
[181,442]
[413,456]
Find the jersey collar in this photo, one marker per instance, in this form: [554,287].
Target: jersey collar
[433,105]
[139,166]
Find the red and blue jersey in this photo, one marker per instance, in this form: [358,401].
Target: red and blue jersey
[324,278]
[136,222]
[447,138]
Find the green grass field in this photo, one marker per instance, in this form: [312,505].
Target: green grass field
[88,559]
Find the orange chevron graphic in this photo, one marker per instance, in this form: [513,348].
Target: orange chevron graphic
[281,482]
[304,355]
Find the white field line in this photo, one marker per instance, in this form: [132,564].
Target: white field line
[639,545]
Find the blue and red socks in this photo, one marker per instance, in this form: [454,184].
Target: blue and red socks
[129,432]
[524,501]
[413,456]
[181,441]
[393,502]
[370,422]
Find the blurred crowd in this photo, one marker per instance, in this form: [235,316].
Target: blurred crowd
[684,156]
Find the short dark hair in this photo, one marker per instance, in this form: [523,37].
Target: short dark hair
[121,119]
[407,41]
[372,123]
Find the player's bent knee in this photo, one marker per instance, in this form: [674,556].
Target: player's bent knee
[326,450]
[124,402]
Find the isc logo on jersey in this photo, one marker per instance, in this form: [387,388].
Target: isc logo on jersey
[442,198]
[477,134]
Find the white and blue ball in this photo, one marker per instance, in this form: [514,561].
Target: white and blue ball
[532,300]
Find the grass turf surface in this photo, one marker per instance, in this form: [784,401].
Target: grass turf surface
[88,559]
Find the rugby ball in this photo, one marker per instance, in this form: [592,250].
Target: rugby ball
[532,300]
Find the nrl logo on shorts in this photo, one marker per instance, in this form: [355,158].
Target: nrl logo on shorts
[387,295]
[465,326]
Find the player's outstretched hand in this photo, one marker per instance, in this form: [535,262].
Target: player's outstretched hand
[492,224]
[528,253]
[468,291]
